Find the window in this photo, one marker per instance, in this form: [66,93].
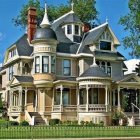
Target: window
[65,96]
[52,64]
[37,64]
[12,53]
[105,45]
[11,72]
[106,66]
[109,68]
[45,64]
[103,66]
[69,29]
[67,67]
[76,29]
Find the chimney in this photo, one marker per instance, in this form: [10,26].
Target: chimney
[32,24]
[86,27]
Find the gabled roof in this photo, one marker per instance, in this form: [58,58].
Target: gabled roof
[129,78]
[69,17]
[93,35]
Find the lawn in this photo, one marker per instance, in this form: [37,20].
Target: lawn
[24,132]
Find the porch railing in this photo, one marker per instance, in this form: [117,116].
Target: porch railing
[16,109]
[97,108]
[80,108]
[134,106]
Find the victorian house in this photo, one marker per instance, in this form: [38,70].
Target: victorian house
[66,70]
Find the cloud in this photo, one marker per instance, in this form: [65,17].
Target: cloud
[2,36]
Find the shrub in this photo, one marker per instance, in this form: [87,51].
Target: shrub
[13,123]
[101,123]
[24,123]
[54,121]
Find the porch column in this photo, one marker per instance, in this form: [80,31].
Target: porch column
[36,100]
[136,97]
[25,99]
[61,96]
[20,98]
[119,97]
[43,100]
[106,98]
[110,91]
[11,98]
[87,88]
[113,97]
[53,98]
[78,101]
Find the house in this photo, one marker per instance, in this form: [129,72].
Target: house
[68,71]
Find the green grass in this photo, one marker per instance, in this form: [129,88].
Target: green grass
[20,132]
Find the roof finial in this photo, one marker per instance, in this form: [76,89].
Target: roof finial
[45,22]
[72,6]
[106,20]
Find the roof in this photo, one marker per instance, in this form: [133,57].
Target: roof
[23,79]
[67,48]
[66,78]
[61,37]
[94,71]
[44,33]
[69,17]
[92,36]
[23,47]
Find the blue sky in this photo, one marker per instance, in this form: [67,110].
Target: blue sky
[111,9]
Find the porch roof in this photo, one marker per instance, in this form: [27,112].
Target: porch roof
[94,71]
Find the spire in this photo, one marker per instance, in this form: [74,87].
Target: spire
[45,22]
[72,6]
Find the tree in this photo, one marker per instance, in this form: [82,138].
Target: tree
[131,23]
[137,69]
[85,9]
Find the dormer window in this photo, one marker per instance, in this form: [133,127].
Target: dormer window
[12,53]
[105,45]
[69,29]
[76,30]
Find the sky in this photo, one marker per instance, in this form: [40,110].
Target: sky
[108,9]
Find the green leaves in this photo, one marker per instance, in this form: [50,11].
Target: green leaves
[84,9]
[131,23]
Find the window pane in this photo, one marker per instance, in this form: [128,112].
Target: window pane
[45,62]
[109,71]
[69,29]
[52,64]
[66,63]
[76,29]
[67,67]
[37,64]
[105,45]
[66,71]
